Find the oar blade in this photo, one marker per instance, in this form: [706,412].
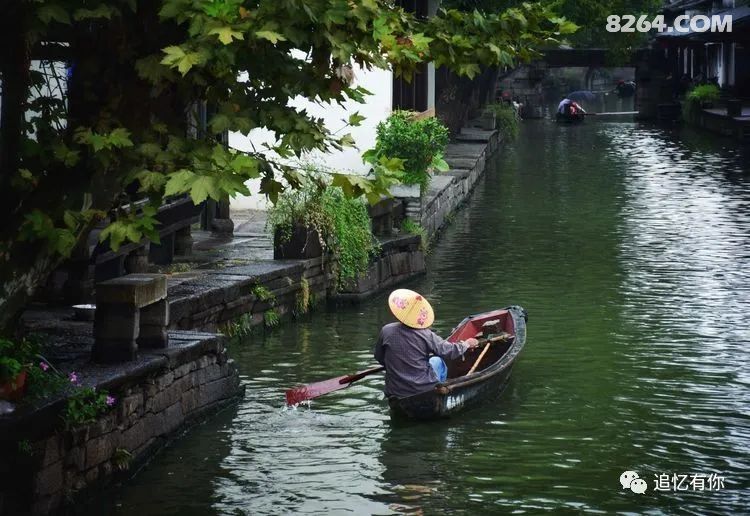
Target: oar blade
[313,390]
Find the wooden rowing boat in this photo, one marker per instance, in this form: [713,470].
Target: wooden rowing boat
[570,118]
[507,329]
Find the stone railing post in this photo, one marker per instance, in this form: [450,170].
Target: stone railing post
[131,311]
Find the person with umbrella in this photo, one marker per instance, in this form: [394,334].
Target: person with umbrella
[570,110]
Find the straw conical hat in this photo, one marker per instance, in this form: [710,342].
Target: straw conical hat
[411,309]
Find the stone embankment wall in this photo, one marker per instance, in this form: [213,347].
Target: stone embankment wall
[251,291]
[467,157]
[401,258]
[44,464]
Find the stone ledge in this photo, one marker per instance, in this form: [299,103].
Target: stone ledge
[163,392]
[184,347]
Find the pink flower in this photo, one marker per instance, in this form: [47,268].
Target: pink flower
[73,377]
[111,400]
[44,366]
[400,302]
[422,318]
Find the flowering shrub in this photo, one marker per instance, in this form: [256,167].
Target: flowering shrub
[85,404]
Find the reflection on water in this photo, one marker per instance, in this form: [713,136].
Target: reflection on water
[630,247]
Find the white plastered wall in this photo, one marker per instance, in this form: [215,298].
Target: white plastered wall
[376,108]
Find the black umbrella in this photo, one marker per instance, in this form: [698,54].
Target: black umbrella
[582,96]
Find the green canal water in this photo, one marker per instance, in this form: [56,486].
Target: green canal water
[629,246]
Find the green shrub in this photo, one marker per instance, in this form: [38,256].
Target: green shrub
[696,97]
[271,318]
[420,143]
[263,294]
[413,228]
[302,303]
[239,327]
[350,233]
[506,120]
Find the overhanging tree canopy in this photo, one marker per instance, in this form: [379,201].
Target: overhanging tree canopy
[119,126]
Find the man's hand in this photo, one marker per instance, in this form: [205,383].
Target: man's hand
[472,343]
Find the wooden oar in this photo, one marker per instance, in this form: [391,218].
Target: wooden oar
[313,390]
[499,338]
[612,113]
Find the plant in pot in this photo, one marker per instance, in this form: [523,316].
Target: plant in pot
[700,97]
[331,221]
[506,119]
[298,222]
[15,361]
[420,143]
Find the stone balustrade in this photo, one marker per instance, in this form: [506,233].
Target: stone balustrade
[131,311]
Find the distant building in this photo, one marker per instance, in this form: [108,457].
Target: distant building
[721,57]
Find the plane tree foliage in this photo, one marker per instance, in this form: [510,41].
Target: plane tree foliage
[589,15]
[99,101]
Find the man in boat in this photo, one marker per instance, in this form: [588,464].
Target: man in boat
[563,108]
[569,109]
[412,353]
[625,89]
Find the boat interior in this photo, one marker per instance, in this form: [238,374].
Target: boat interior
[483,326]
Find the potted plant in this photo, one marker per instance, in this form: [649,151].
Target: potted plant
[298,223]
[317,218]
[15,359]
[701,97]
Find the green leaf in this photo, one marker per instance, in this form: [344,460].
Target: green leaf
[439,164]
[347,141]
[64,154]
[120,138]
[117,233]
[176,57]
[179,182]
[356,119]
[203,188]
[65,242]
[271,188]
[70,219]
[102,11]
[226,34]
[272,36]
[370,156]
[50,11]
[151,181]
[220,123]
[245,165]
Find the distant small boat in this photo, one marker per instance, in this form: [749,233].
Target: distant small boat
[488,379]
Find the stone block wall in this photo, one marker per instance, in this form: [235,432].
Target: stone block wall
[401,258]
[223,295]
[468,160]
[157,395]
